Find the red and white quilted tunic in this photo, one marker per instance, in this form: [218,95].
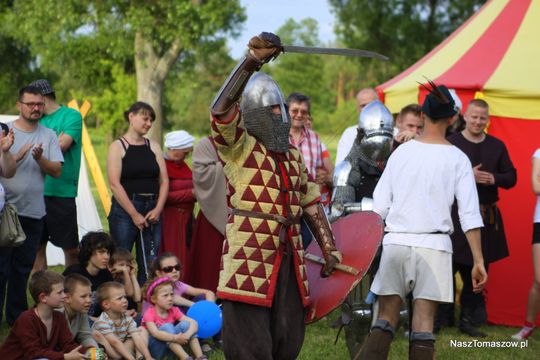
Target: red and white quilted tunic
[252,251]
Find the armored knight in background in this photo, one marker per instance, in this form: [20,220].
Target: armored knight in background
[263,280]
[355,179]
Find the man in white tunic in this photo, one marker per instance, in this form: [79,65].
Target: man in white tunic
[415,196]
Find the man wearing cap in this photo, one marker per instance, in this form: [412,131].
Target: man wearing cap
[60,193]
[37,153]
[492,170]
[178,210]
[415,196]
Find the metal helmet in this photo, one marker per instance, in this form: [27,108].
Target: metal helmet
[376,127]
[262,91]
[261,94]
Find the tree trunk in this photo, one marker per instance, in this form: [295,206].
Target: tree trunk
[151,74]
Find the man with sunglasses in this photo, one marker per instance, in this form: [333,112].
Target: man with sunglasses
[38,154]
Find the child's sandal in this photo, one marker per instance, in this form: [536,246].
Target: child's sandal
[203,357]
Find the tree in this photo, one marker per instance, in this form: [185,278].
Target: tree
[17,67]
[404,30]
[302,72]
[90,37]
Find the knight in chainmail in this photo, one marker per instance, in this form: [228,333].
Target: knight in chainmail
[355,179]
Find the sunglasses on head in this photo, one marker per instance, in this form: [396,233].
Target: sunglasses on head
[168,269]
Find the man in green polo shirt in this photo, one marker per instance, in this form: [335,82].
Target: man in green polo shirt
[60,193]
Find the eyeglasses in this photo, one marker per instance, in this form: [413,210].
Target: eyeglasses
[169,269]
[32,105]
[298,111]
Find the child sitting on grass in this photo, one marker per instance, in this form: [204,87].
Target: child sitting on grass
[168,264]
[96,249]
[121,337]
[169,328]
[123,268]
[76,305]
[42,332]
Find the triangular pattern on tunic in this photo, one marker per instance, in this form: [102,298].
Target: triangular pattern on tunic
[256,255]
[246,225]
[249,195]
[248,285]
[269,243]
[263,228]
[267,165]
[240,254]
[243,269]
[240,279]
[263,289]
[259,271]
[251,162]
[258,282]
[265,196]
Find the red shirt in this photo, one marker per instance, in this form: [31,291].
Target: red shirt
[28,338]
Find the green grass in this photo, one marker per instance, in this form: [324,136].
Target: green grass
[319,340]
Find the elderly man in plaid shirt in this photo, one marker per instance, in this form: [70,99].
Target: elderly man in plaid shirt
[315,154]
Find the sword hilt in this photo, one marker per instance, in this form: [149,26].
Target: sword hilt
[341,267]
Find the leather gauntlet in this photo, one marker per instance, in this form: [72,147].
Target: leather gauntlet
[320,227]
[263,48]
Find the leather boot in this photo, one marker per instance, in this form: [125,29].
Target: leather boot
[422,350]
[376,346]
[466,326]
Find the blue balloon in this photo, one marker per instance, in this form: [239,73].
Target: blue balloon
[208,316]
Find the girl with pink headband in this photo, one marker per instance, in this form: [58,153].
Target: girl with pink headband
[168,327]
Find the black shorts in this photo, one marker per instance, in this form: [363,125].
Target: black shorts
[61,222]
[536,233]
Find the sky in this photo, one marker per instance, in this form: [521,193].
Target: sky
[270,15]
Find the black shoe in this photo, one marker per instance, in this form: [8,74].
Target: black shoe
[469,329]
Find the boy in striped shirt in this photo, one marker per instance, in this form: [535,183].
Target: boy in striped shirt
[121,336]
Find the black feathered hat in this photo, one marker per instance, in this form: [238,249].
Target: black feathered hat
[439,103]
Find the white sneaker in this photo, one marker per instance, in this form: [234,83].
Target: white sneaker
[523,334]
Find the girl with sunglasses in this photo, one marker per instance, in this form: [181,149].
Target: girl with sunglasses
[167,264]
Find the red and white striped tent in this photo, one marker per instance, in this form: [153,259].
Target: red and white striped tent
[494,56]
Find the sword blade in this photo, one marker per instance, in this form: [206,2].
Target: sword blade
[333,51]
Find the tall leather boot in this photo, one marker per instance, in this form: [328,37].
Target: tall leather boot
[422,350]
[376,346]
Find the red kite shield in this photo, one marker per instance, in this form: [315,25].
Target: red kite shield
[358,236]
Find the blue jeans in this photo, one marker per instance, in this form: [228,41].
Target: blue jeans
[158,348]
[124,233]
[15,266]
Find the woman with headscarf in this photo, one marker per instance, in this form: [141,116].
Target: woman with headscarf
[178,211]
[208,234]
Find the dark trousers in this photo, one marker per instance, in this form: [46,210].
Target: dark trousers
[125,234]
[257,332]
[15,267]
[469,300]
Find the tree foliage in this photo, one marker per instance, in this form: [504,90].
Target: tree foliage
[404,30]
[84,44]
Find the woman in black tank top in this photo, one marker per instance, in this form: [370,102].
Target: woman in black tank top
[139,183]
